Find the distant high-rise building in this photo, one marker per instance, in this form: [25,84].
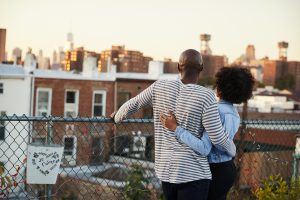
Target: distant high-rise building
[17,56]
[2,44]
[54,57]
[205,49]
[283,50]
[170,66]
[250,53]
[40,59]
[30,62]
[281,71]
[58,59]
[70,42]
[74,59]
[125,60]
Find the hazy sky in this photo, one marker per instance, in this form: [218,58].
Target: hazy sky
[158,28]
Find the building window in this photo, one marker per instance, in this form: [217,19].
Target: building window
[2,127]
[43,102]
[99,103]
[71,103]
[1,88]
[123,97]
[69,155]
[39,140]
[69,143]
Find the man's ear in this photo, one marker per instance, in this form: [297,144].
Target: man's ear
[178,66]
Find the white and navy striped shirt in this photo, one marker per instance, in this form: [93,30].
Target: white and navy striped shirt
[195,108]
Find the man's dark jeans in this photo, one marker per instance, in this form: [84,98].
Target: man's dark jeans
[194,190]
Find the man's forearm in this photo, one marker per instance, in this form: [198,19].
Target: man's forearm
[133,105]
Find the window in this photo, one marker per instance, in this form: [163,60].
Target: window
[123,97]
[1,88]
[43,102]
[69,146]
[2,127]
[99,103]
[71,103]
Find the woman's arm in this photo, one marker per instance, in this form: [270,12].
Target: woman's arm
[202,146]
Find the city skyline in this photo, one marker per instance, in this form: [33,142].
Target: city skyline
[158,29]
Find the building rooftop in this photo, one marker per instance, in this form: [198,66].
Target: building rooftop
[20,71]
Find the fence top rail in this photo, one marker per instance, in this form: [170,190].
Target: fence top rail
[134,120]
[69,119]
[270,122]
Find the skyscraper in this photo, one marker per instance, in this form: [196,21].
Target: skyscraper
[17,56]
[70,42]
[2,44]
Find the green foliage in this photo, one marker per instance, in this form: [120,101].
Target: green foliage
[135,186]
[69,195]
[275,188]
[6,182]
[285,82]
[206,80]
[260,84]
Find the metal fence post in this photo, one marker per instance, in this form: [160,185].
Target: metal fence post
[49,141]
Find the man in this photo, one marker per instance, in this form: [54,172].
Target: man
[184,173]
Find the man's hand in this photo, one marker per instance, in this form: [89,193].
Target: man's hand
[168,121]
[112,116]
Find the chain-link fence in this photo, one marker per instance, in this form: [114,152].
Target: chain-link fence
[103,161]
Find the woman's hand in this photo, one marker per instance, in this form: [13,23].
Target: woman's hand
[168,121]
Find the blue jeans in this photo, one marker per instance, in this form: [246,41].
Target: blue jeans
[194,190]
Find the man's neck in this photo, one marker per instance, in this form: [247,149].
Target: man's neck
[189,80]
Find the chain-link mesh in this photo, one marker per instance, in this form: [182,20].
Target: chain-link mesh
[104,161]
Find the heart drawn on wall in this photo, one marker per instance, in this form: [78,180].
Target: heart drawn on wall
[45,162]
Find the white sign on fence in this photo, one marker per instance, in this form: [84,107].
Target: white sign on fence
[43,163]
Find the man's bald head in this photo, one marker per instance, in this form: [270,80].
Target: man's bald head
[190,61]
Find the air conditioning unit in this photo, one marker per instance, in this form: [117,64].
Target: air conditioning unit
[70,128]
[68,160]
[122,145]
[139,143]
[70,114]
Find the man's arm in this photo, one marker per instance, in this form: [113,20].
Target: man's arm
[202,146]
[133,105]
[212,124]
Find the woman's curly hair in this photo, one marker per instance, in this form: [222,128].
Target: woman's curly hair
[234,84]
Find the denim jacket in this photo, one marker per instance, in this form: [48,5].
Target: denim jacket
[230,120]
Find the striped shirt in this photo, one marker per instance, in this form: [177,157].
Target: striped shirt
[195,108]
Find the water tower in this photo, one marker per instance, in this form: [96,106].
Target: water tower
[205,49]
[283,50]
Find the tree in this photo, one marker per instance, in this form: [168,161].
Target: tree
[136,184]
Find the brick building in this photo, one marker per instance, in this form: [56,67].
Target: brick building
[2,44]
[273,70]
[212,64]
[61,93]
[74,59]
[125,60]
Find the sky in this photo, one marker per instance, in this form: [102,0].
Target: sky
[158,28]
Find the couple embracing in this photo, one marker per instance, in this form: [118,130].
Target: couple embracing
[193,132]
